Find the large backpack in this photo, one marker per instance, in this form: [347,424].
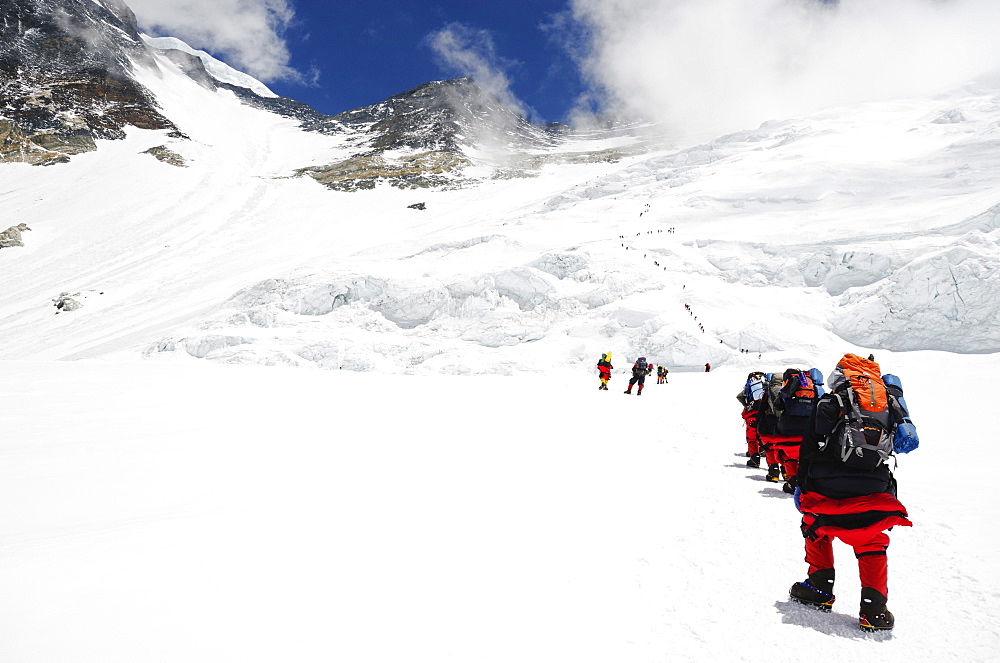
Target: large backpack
[772,385]
[799,393]
[640,366]
[862,437]
[767,417]
[754,389]
[796,399]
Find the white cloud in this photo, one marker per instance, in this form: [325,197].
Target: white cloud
[708,66]
[470,52]
[247,34]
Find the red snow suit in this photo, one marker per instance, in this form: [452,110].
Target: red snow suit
[860,522]
[750,419]
[785,450]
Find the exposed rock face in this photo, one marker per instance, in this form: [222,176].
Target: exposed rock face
[419,138]
[17,146]
[428,169]
[65,78]
[166,155]
[444,116]
[12,236]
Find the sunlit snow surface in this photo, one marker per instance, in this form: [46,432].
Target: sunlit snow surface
[187,511]
[370,505]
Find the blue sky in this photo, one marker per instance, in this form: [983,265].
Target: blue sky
[696,66]
[362,51]
[341,54]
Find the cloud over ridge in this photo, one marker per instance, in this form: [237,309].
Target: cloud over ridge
[248,34]
[715,65]
[471,52]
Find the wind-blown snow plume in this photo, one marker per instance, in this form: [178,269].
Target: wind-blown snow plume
[249,34]
[471,52]
[715,65]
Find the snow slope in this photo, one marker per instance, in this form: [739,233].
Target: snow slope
[170,498]
[875,223]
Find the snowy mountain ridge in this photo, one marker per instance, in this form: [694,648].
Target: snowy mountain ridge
[219,70]
[879,219]
[70,75]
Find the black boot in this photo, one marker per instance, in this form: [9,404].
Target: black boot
[875,616]
[790,485]
[754,461]
[774,472]
[815,591]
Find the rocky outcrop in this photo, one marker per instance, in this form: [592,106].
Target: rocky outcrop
[12,236]
[66,302]
[166,155]
[428,169]
[17,146]
[435,125]
[445,116]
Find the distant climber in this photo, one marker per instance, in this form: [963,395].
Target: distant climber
[604,368]
[639,371]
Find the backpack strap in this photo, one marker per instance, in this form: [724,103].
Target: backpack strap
[854,416]
[851,415]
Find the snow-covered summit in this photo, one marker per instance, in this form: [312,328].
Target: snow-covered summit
[216,68]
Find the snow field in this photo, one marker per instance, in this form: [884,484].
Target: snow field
[189,511]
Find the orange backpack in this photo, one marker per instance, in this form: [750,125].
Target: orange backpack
[804,385]
[865,377]
[863,436]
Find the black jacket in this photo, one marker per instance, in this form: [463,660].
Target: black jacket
[822,471]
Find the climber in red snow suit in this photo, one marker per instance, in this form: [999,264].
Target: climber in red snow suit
[750,413]
[768,436]
[854,505]
[604,368]
[751,410]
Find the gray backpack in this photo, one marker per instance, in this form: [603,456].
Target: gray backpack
[862,438]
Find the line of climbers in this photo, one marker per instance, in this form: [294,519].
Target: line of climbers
[687,307]
[640,369]
[648,232]
[832,451]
